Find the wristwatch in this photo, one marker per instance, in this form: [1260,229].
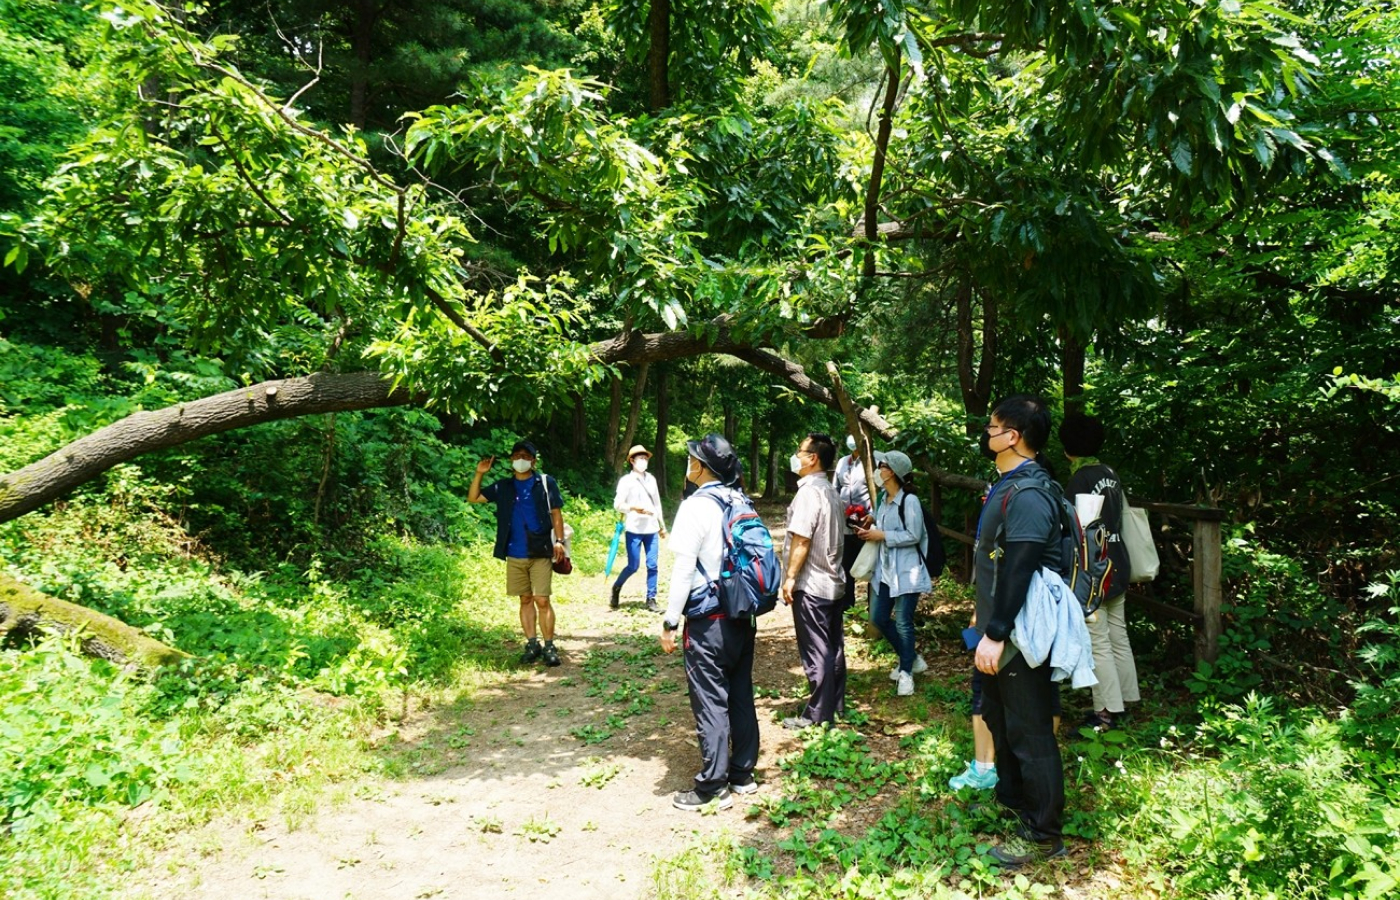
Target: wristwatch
[668,625]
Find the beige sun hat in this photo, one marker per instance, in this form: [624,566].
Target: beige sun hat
[638,450]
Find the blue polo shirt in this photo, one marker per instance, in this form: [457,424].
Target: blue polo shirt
[521,506]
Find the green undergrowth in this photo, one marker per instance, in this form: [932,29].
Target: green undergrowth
[1222,798]
[297,669]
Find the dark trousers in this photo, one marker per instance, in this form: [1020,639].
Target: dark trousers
[849,551]
[1018,705]
[822,645]
[719,674]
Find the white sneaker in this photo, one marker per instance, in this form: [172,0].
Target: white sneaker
[904,685]
[920,667]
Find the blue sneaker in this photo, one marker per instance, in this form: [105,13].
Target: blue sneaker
[971,778]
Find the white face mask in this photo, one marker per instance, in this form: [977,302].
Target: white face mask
[640,464]
[850,443]
[521,465]
[795,463]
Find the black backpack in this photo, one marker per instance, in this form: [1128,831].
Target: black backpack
[1084,562]
[937,558]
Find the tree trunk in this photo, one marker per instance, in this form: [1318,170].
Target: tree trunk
[731,425]
[1072,364]
[773,487]
[633,414]
[883,130]
[614,423]
[41,482]
[659,55]
[974,374]
[25,612]
[579,439]
[361,37]
[58,473]
[754,445]
[663,427]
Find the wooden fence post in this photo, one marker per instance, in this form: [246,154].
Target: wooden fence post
[1205,571]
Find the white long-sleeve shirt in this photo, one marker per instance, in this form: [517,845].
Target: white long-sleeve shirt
[638,489]
[698,533]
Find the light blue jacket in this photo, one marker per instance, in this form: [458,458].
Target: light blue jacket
[1051,626]
[898,563]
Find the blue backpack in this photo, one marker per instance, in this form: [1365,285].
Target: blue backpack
[749,572]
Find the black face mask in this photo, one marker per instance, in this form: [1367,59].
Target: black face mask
[984,444]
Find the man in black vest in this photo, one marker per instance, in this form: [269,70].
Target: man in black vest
[530,538]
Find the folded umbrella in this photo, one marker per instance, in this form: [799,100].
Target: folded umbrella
[612,550]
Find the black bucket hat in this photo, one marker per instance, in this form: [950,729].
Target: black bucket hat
[716,454]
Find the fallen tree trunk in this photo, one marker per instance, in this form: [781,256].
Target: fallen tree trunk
[24,612]
[44,481]
[58,473]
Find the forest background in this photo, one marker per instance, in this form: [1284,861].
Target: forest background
[276,276]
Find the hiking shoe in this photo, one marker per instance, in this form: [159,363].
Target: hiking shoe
[904,685]
[551,656]
[651,605]
[616,596]
[533,651]
[748,787]
[694,801]
[1097,722]
[797,723]
[1017,852]
[919,668]
[971,778]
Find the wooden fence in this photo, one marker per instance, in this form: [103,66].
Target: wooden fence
[1206,553]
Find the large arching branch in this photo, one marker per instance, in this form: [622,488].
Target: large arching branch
[58,473]
[44,481]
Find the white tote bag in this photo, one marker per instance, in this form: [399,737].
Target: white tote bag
[1142,550]
[864,566]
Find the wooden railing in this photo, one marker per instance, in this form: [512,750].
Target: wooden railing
[1206,554]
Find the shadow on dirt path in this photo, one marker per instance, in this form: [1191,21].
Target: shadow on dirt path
[552,782]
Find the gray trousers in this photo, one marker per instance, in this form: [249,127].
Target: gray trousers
[719,674]
[822,645]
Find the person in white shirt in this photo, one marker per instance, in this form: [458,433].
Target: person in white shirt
[639,501]
[718,650]
[849,481]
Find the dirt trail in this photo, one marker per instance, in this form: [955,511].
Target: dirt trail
[518,803]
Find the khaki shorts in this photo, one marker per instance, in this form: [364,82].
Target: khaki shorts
[528,576]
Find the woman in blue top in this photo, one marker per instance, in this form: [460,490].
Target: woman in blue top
[900,574]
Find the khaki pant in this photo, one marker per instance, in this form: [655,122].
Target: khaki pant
[1113,657]
[526,577]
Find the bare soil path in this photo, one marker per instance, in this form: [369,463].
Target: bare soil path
[554,782]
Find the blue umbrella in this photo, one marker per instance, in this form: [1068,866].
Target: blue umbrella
[612,550]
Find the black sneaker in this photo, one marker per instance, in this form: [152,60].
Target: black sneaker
[616,595]
[1100,722]
[694,801]
[744,787]
[651,605]
[551,656]
[1018,852]
[533,651]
